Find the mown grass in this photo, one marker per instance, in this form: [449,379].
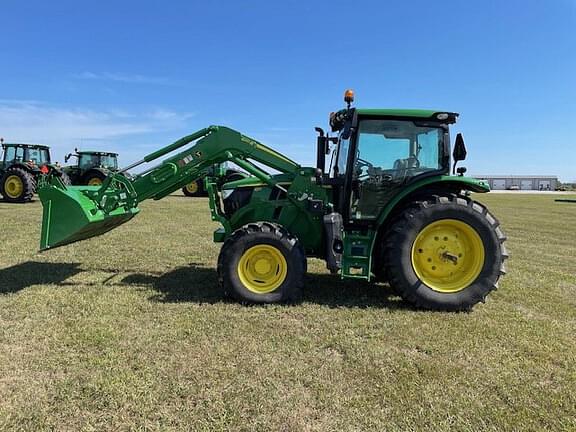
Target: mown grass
[130,331]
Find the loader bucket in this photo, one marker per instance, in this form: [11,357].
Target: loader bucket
[71,214]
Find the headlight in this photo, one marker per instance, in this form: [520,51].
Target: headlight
[226,193]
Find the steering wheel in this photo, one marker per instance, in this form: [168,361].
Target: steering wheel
[363,163]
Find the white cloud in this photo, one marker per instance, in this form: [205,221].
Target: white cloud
[64,128]
[125,78]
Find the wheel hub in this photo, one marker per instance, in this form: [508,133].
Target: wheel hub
[262,268]
[192,187]
[95,181]
[13,186]
[448,255]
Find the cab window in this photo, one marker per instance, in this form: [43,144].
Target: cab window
[10,154]
[88,161]
[389,153]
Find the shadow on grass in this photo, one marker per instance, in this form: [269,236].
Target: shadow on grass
[20,276]
[200,284]
[193,283]
[196,283]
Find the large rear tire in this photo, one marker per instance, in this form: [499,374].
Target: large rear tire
[94,178]
[262,263]
[445,253]
[17,185]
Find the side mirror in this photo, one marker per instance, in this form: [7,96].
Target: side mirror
[459,153]
[321,149]
[67,157]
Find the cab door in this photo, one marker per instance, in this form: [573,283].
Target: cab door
[389,153]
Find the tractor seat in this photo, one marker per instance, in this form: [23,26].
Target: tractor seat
[403,166]
[408,163]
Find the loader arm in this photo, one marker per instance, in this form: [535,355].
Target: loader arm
[73,213]
[216,144]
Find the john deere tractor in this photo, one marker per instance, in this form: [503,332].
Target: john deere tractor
[197,188]
[91,167]
[385,208]
[20,167]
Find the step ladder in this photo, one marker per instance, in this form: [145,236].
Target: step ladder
[356,258]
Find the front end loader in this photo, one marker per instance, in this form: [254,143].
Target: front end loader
[386,207]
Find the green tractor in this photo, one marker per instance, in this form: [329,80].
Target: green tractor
[91,168]
[20,168]
[386,208]
[197,188]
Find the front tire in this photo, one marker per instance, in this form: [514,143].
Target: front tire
[262,263]
[17,185]
[446,253]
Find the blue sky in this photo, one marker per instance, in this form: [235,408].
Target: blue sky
[135,75]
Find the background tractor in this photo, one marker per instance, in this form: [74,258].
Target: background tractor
[20,167]
[197,188]
[91,168]
[385,208]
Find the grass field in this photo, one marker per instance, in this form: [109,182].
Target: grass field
[130,331]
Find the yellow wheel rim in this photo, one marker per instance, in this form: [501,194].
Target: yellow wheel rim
[192,187]
[448,255]
[262,269]
[13,186]
[94,181]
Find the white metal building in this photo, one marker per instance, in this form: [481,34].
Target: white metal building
[512,182]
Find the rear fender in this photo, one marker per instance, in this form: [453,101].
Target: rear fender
[23,166]
[425,188]
[102,171]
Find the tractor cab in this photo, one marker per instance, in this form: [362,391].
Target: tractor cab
[92,159]
[20,167]
[378,153]
[31,155]
[92,167]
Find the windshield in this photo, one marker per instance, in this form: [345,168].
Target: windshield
[88,161]
[108,161]
[399,145]
[38,156]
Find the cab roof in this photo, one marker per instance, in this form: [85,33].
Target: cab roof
[449,117]
[99,153]
[37,146]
